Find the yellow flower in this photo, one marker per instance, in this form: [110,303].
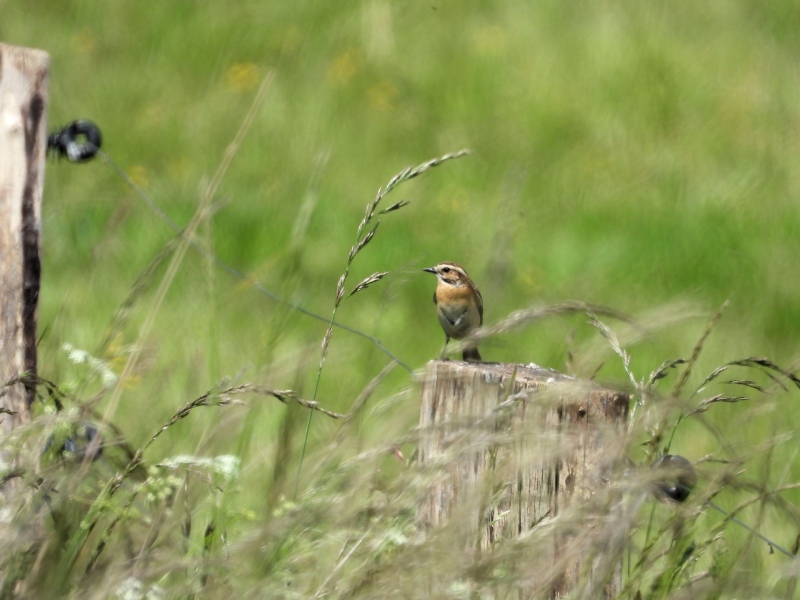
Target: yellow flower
[344,67]
[242,77]
[138,175]
[381,95]
[82,42]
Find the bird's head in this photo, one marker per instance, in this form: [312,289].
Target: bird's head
[450,273]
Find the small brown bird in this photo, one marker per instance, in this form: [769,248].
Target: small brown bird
[459,305]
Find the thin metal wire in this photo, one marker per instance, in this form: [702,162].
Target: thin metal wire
[151,204]
[769,542]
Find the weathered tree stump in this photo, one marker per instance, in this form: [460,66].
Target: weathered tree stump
[518,453]
[24,75]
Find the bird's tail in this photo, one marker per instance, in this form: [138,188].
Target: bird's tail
[471,354]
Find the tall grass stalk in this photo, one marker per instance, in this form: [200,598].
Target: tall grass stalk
[187,235]
[364,234]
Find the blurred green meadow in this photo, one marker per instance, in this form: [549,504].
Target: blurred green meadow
[640,156]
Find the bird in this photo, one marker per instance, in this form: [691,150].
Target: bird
[459,305]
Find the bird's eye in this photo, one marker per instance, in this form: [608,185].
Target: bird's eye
[446,270]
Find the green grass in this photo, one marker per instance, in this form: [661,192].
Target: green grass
[642,157]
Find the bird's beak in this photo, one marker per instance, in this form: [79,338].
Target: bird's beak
[430,270]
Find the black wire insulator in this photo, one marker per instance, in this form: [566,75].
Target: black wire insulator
[677,479]
[78,141]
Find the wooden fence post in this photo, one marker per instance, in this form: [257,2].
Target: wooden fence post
[511,449]
[24,77]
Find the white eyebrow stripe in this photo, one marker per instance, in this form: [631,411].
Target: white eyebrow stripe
[453,266]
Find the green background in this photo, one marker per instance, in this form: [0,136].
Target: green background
[642,156]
